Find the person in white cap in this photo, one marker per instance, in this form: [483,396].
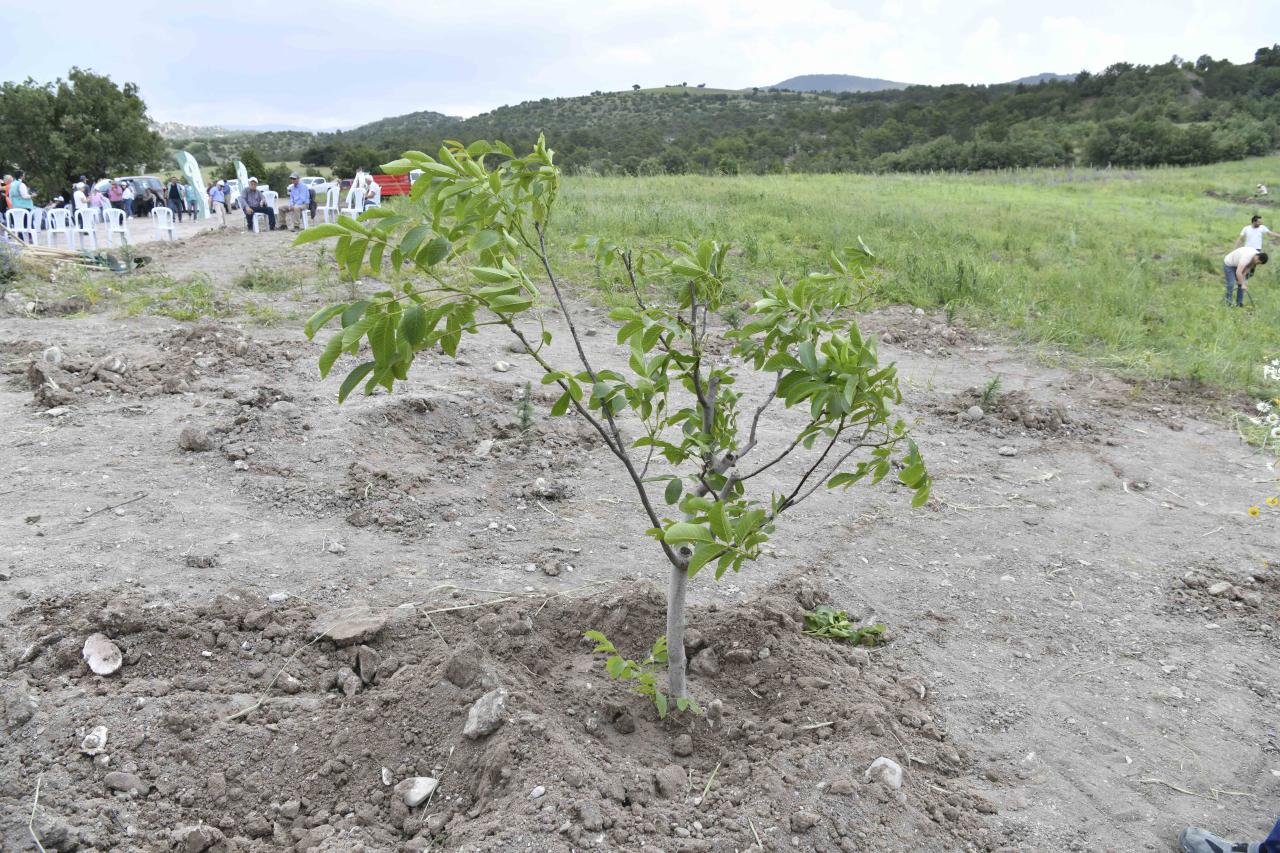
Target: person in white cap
[218,201]
[253,201]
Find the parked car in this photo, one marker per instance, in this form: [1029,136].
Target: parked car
[141,182]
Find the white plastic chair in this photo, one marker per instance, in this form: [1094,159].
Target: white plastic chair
[37,222]
[58,221]
[86,227]
[353,207]
[256,217]
[163,217]
[271,197]
[116,225]
[328,212]
[18,220]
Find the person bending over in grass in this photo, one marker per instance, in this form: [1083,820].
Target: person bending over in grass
[1195,840]
[1236,269]
[1251,235]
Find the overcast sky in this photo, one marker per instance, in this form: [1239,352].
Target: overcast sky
[325,63]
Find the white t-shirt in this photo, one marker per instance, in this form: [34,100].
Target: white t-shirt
[1253,236]
[1240,256]
[79,200]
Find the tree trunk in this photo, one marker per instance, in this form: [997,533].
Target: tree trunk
[675,633]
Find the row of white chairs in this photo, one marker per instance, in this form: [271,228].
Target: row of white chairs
[81,229]
[330,211]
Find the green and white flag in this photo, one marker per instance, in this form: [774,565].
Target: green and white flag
[242,174]
[191,170]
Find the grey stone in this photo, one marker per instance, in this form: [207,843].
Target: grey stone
[367,662]
[670,781]
[705,663]
[1221,589]
[886,771]
[196,839]
[350,626]
[1007,450]
[485,716]
[194,440]
[118,780]
[974,413]
[348,682]
[683,746]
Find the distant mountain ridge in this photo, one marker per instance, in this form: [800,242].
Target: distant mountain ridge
[854,83]
[838,83]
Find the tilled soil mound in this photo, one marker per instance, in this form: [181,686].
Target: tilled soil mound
[497,718]
[1012,410]
[420,462]
[1247,598]
[189,356]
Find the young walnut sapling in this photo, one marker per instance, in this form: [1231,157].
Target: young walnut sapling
[464,252]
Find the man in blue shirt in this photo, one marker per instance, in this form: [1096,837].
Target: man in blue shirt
[299,202]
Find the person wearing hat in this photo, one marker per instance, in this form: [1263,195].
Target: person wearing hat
[299,201]
[218,201]
[253,201]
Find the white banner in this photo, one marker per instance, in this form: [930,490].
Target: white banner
[191,169]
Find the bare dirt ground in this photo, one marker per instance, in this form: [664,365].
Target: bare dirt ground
[1060,675]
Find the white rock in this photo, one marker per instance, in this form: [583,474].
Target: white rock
[483,448]
[416,789]
[537,792]
[278,597]
[485,716]
[974,413]
[1006,450]
[886,771]
[386,777]
[102,655]
[501,366]
[52,355]
[336,548]
[95,741]
[1220,588]
[919,312]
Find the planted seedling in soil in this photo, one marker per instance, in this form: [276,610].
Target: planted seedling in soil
[825,621]
[463,253]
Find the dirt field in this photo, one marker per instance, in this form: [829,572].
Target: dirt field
[1060,677]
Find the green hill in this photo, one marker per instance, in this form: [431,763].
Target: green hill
[837,83]
[1174,113]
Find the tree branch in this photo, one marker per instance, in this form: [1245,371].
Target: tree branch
[786,502]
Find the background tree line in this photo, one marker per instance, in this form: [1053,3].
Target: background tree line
[1175,113]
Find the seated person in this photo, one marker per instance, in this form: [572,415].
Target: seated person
[253,201]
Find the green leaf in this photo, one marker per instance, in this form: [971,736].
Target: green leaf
[434,252]
[674,487]
[413,239]
[331,352]
[318,320]
[682,532]
[485,239]
[660,700]
[413,325]
[490,275]
[320,232]
[560,406]
[353,379]
[353,312]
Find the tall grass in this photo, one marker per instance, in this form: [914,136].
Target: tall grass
[1120,266]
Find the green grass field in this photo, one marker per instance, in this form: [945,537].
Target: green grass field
[1123,267]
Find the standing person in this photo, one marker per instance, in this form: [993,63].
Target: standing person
[1251,235]
[115,195]
[79,201]
[299,201]
[1236,269]
[218,201]
[5,204]
[174,198]
[96,202]
[193,200]
[253,201]
[128,196]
